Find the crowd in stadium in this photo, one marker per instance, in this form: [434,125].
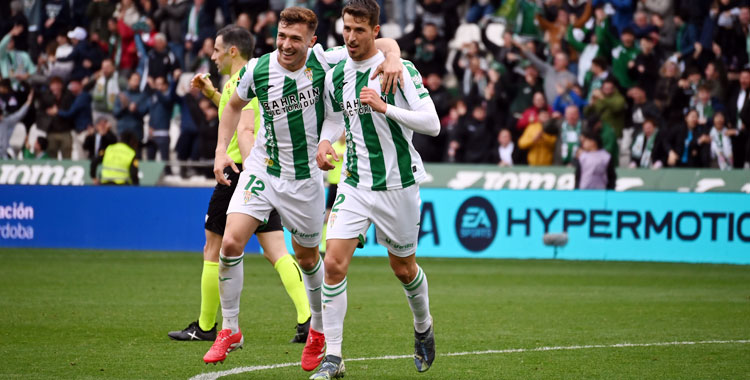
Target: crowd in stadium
[655,83]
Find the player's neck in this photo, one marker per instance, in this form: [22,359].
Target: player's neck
[370,53]
[237,65]
[292,68]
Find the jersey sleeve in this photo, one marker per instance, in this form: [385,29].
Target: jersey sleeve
[245,84]
[333,125]
[413,89]
[334,55]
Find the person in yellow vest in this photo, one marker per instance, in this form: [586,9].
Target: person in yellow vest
[119,165]
[232,49]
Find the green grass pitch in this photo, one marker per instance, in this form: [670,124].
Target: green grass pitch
[93,314]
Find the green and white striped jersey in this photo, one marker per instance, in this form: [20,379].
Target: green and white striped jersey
[379,153]
[292,107]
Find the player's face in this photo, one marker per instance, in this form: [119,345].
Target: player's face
[221,56]
[293,40]
[359,37]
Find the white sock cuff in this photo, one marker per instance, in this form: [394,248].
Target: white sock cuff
[331,291]
[230,261]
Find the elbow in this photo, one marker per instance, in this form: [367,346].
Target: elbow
[434,127]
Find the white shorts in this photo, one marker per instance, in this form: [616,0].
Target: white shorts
[394,212]
[300,203]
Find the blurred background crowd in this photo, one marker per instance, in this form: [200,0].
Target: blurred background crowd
[651,83]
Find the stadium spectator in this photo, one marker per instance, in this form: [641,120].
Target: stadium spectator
[649,149]
[328,11]
[539,143]
[595,77]
[567,94]
[644,69]
[105,88]
[161,61]
[130,107]
[429,50]
[739,115]
[472,138]
[86,58]
[531,114]
[161,102]
[623,58]
[99,138]
[55,15]
[721,143]
[15,64]
[189,143]
[98,13]
[80,114]
[705,104]
[554,75]
[57,127]
[8,123]
[571,128]
[119,162]
[36,152]
[470,68]
[505,153]
[609,105]
[595,167]
[521,91]
[199,25]
[689,145]
[208,130]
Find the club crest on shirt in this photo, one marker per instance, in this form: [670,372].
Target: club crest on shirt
[309,73]
[381,78]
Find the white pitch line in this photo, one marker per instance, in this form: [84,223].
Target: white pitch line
[238,370]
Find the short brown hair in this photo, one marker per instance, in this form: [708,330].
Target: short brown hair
[299,15]
[363,9]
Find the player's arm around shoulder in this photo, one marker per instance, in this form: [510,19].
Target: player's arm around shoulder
[333,126]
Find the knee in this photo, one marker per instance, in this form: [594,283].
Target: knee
[231,246]
[306,257]
[335,269]
[404,273]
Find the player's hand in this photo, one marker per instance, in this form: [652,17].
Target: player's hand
[372,98]
[324,150]
[220,162]
[393,73]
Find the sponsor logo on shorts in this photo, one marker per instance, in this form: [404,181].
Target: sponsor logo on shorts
[476,224]
[398,246]
[304,235]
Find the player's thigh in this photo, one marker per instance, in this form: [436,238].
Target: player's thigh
[396,218]
[350,215]
[240,227]
[301,205]
[252,197]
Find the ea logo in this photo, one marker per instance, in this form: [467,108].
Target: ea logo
[476,224]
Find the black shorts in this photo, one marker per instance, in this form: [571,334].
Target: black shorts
[216,216]
[332,188]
